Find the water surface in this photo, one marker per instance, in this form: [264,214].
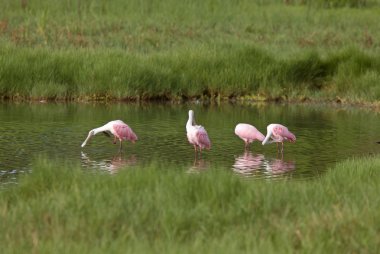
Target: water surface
[325,135]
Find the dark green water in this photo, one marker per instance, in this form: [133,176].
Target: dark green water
[325,135]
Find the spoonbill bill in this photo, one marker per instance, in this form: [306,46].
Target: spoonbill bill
[279,134]
[197,134]
[117,128]
[248,133]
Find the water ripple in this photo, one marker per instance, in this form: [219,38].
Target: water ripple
[324,137]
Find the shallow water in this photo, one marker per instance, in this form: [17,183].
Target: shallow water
[325,135]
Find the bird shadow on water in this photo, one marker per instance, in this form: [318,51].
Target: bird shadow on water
[111,165]
[257,166]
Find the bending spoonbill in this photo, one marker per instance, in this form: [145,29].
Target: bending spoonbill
[196,134]
[279,134]
[248,133]
[118,128]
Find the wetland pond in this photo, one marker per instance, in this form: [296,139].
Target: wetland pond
[325,135]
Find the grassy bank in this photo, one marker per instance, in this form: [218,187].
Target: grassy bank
[243,72]
[261,50]
[63,209]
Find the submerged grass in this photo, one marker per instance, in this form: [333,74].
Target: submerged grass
[92,50]
[60,208]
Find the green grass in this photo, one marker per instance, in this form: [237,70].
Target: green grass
[60,208]
[150,26]
[262,50]
[203,73]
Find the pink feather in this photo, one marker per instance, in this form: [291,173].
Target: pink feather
[202,139]
[282,132]
[124,132]
[248,133]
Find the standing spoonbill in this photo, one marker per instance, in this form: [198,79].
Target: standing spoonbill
[248,133]
[118,128]
[279,134]
[196,134]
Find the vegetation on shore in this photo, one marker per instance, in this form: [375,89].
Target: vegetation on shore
[246,72]
[61,208]
[256,50]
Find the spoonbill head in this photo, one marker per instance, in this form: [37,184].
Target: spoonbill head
[117,128]
[277,133]
[197,134]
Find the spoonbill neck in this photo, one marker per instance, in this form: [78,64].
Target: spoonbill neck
[95,131]
[266,140]
[101,129]
[190,121]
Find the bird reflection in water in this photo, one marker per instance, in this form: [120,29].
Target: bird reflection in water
[112,165]
[277,167]
[199,165]
[248,163]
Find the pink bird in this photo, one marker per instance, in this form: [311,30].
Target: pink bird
[196,134]
[279,134]
[118,128]
[248,133]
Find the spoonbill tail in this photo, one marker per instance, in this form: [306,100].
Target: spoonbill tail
[279,134]
[117,128]
[248,133]
[196,134]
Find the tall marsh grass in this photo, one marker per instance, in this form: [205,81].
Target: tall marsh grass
[207,73]
[60,208]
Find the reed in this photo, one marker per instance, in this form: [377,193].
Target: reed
[59,207]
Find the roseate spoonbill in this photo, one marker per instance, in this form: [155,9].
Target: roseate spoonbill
[196,134]
[118,128]
[279,134]
[248,133]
